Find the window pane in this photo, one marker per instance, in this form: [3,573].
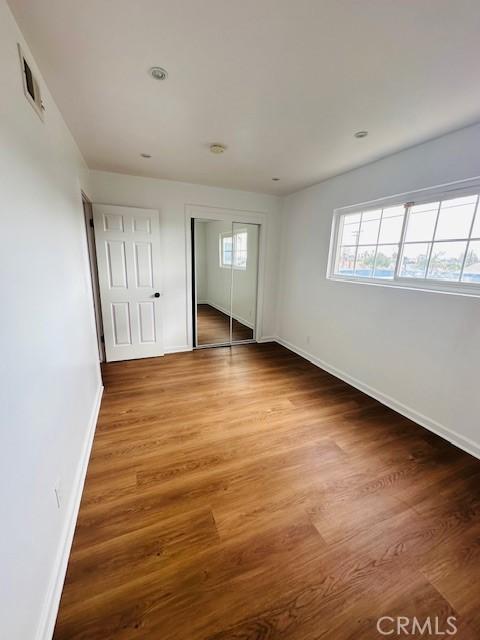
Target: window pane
[414,260]
[351,226]
[457,202]
[371,215]
[471,272]
[227,258]
[391,212]
[428,206]
[391,228]
[369,228]
[346,261]
[386,261]
[476,224]
[446,261]
[365,262]
[421,224]
[454,222]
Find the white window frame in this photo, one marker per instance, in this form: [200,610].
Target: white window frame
[422,196]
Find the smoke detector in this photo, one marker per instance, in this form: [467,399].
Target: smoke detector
[217,148]
[361,134]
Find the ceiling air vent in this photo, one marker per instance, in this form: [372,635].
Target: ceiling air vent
[31,87]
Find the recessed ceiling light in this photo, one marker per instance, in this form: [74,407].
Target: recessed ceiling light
[158,73]
[361,134]
[275,179]
[145,155]
[217,148]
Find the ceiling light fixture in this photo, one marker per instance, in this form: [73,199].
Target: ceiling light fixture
[158,73]
[361,134]
[217,148]
[145,155]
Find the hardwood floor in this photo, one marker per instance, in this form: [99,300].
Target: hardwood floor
[214,326]
[245,494]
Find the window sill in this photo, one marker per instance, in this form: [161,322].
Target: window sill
[224,266]
[428,287]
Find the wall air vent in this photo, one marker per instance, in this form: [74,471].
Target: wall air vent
[31,87]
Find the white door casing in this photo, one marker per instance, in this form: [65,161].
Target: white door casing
[129,271]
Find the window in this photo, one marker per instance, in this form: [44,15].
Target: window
[369,242]
[233,250]
[434,242]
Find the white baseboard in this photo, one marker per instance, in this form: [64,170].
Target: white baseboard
[180,349]
[52,599]
[462,442]
[268,339]
[247,323]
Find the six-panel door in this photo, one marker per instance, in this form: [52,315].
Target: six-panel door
[128,255]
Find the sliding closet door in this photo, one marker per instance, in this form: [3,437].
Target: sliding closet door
[213,243]
[245,239]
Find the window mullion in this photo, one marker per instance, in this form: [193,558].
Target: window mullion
[407,206]
[339,226]
[378,240]
[427,266]
[356,244]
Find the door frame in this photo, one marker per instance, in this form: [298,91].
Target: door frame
[93,269]
[206,212]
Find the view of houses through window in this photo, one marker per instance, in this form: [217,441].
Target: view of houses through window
[433,241]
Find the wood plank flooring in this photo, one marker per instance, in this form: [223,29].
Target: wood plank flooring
[245,494]
[214,326]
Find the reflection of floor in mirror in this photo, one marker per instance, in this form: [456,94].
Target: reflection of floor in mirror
[213,327]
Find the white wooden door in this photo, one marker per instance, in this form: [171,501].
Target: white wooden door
[128,255]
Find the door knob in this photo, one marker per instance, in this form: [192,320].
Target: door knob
[156,294]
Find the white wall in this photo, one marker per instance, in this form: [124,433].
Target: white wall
[49,372]
[170,198]
[419,351]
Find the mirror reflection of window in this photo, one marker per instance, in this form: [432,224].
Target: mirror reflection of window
[234,249]
[226,250]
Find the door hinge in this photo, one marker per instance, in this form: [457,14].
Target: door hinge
[102,339]
[91,222]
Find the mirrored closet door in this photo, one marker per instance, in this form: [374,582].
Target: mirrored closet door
[225,272]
